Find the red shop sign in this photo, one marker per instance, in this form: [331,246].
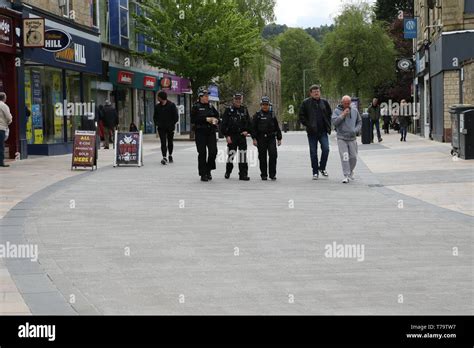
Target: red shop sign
[165,82]
[149,82]
[125,77]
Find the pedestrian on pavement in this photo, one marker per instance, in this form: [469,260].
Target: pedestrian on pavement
[404,120]
[133,127]
[315,114]
[386,120]
[165,117]
[374,113]
[235,127]
[348,123]
[6,119]
[266,133]
[205,118]
[110,121]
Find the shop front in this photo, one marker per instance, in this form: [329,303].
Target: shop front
[134,95]
[179,92]
[58,83]
[9,21]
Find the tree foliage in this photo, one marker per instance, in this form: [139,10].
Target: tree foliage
[197,39]
[299,54]
[358,55]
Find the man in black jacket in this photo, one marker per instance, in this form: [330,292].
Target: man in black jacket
[110,121]
[265,134]
[315,114]
[235,127]
[165,117]
[205,118]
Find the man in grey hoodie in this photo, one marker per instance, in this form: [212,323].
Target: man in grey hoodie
[347,122]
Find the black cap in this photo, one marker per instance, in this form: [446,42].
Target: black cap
[265,100]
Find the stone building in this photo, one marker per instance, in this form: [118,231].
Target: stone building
[444,50]
[270,85]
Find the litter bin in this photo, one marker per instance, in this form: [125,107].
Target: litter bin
[366,133]
[461,128]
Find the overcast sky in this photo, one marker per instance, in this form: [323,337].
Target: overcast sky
[308,13]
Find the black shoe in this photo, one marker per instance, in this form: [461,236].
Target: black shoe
[164,161]
[4,165]
[170,159]
[204,178]
[380,140]
[209,176]
[273,178]
[244,178]
[227,175]
[264,178]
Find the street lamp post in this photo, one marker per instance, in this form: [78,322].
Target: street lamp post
[304,80]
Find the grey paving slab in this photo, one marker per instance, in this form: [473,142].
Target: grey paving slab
[281,230]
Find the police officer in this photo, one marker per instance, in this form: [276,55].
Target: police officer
[265,134]
[235,127]
[205,118]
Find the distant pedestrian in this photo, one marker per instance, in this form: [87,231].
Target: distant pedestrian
[348,123]
[110,121]
[315,114]
[6,119]
[374,113]
[266,133]
[404,120]
[205,119]
[165,117]
[235,127]
[385,113]
[133,127]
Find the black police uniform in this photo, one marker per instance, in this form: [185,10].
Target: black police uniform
[235,121]
[205,136]
[266,130]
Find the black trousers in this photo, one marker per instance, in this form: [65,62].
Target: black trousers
[206,144]
[238,142]
[166,138]
[386,124]
[267,145]
[2,146]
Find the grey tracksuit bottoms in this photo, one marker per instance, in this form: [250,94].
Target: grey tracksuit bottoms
[348,153]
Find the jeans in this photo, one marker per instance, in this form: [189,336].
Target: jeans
[403,133]
[166,138]
[377,126]
[2,147]
[313,140]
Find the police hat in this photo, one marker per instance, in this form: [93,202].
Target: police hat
[265,100]
[238,96]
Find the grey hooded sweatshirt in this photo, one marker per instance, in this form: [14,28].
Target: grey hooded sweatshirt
[346,128]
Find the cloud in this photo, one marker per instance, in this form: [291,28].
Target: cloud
[307,13]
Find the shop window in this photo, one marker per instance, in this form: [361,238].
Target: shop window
[95,13]
[43,98]
[73,95]
[469,6]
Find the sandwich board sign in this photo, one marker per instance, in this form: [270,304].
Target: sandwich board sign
[128,149]
[84,151]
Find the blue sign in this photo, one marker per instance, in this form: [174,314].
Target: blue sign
[410,28]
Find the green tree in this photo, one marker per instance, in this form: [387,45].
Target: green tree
[388,10]
[299,54]
[358,55]
[260,12]
[197,39]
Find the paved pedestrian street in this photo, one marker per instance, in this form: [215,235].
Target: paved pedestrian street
[156,240]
